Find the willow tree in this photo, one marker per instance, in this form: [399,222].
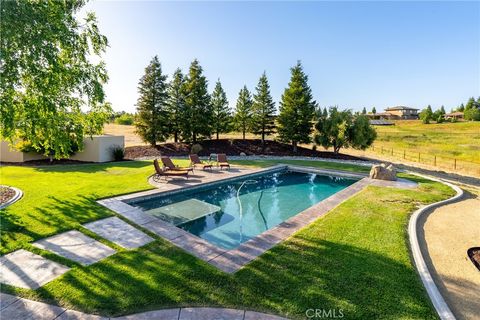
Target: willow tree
[51,90]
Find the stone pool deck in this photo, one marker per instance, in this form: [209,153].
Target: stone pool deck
[15,308]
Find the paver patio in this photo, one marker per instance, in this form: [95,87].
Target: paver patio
[119,232]
[15,308]
[76,246]
[27,270]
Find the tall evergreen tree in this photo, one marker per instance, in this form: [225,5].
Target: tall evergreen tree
[442,110]
[152,117]
[364,110]
[198,105]
[374,111]
[221,113]
[263,109]
[176,103]
[470,104]
[426,115]
[461,108]
[242,118]
[297,109]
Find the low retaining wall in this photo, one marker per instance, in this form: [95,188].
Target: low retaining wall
[96,149]
[436,297]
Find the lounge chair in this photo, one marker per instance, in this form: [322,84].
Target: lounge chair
[222,161]
[195,160]
[167,163]
[159,172]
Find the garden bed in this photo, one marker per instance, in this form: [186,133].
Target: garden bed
[474,255]
[6,194]
[231,147]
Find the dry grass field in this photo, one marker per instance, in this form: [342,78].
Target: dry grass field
[459,140]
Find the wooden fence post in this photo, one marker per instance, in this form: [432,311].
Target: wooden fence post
[403,154]
[419,157]
[435,161]
[455,164]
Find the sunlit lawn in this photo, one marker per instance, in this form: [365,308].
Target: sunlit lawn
[356,258]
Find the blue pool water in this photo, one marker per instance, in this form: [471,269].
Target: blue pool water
[262,203]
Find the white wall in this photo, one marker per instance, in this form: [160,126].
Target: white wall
[9,155]
[96,149]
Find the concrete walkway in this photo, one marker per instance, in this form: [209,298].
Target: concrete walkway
[447,233]
[15,308]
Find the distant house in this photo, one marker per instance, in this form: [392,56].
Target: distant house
[404,113]
[395,113]
[454,115]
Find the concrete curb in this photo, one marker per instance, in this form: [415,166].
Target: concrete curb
[436,297]
[16,197]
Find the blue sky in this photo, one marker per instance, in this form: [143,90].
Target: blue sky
[355,53]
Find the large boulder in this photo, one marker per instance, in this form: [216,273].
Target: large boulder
[383,172]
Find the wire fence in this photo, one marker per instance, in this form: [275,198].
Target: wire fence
[441,162]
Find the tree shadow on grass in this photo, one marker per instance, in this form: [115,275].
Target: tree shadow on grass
[300,274]
[43,221]
[92,167]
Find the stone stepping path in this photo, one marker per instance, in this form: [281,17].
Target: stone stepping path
[27,270]
[76,246]
[15,308]
[119,232]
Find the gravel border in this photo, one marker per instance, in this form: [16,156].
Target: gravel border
[15,198]
[434,294]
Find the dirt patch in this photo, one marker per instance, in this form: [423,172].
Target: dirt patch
[231,147]
[474,254]
[6,194]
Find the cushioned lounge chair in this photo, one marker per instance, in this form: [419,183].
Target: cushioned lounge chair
[159,172]
[195,161]
[222,161]
[168,163]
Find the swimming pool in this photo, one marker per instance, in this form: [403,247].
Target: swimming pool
[230,213]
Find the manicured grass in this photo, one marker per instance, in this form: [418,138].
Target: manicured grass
[356,258]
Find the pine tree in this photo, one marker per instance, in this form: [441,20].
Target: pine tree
[221,112]
[426,115]
[461,108]
[263,110]
[374,111]
[152,118]
[364,111]
[442,110]
[242,118]
[198,105]
[470,104]
[297,109]
[176,103]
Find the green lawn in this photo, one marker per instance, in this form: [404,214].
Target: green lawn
[356,258]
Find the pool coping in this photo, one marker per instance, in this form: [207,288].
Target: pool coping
[231,260]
